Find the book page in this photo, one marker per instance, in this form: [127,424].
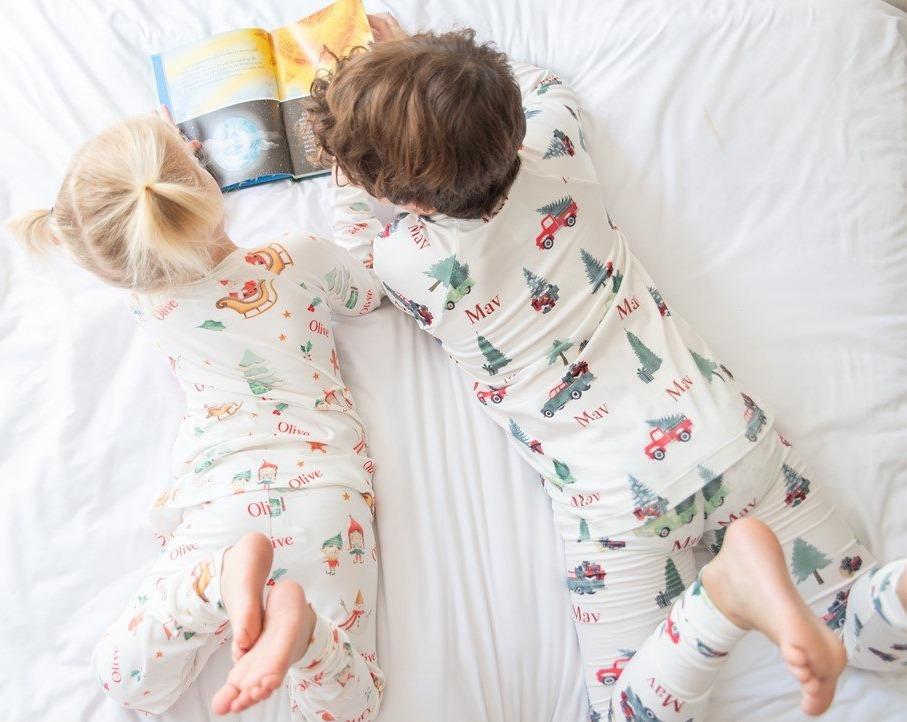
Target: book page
[222,91]
[217,72]
[299,48]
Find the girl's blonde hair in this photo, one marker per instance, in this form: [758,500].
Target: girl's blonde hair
[135,208]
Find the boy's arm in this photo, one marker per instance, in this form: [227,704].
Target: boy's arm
[528,76]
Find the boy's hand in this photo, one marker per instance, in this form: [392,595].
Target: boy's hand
[385,27]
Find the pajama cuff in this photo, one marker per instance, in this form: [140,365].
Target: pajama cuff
[205,602]
[888,598]
[323,642]
[720,630]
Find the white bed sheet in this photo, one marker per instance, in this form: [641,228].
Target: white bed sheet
[756,153]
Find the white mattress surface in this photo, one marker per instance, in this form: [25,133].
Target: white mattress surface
[754,151]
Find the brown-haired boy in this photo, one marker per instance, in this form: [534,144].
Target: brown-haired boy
[506,254]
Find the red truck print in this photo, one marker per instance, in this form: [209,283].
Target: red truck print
[592,570]
[647,512]
[557,215]
[491,393]
[851,565]
[609,675]
[661,438]
[795,497]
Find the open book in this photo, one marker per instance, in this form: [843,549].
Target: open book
[243,93]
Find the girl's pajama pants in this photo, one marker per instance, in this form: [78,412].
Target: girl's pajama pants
[322,538]
[651,641]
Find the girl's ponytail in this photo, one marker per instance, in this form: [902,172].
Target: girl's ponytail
[33,230]
[135,208]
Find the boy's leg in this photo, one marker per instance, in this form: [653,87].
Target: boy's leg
[745,587]
[326,557]
[178,618]
[875,631]
[836,575]
[621,589]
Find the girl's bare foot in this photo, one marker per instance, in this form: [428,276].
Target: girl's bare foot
[749,582]
[245,571]
[288,625]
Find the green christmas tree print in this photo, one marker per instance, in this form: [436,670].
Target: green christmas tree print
[557,351]
[797,486]
[673,585]
[706,366]
[518,433]
[649,360]
[560,145]
[211,325]
[616,279]
[583,530]
[596,272]
[666,422]
[645,498]
[562,475]
[537,284]
[555,208]
[715,546]
[255,371]
[531,113]
[443,272]
[807,559]
[494,359]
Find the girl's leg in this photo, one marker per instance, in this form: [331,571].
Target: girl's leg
[324,544]
[176,620]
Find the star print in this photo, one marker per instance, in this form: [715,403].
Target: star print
[282,337]
[287,314]
[206,362]
[300,463]
[315,376]
[346,496]
[158,654]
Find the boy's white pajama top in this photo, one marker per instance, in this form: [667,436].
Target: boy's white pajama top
[270,442]
[569,343]
[646,444]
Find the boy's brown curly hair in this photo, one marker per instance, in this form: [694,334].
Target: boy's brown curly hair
[429,120]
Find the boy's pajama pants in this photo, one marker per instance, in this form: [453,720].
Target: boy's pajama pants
[651,641]
[322,538]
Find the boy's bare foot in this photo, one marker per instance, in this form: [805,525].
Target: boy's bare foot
[749,582]
[288,626]
[245,570]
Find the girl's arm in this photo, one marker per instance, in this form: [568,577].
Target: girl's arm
[353,220]
[348,287]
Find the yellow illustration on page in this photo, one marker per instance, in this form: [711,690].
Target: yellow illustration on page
[299,49]
[220,71]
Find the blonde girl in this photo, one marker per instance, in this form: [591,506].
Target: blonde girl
[270,460]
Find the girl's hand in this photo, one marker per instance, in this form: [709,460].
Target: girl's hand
[163,112]
[385,27]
